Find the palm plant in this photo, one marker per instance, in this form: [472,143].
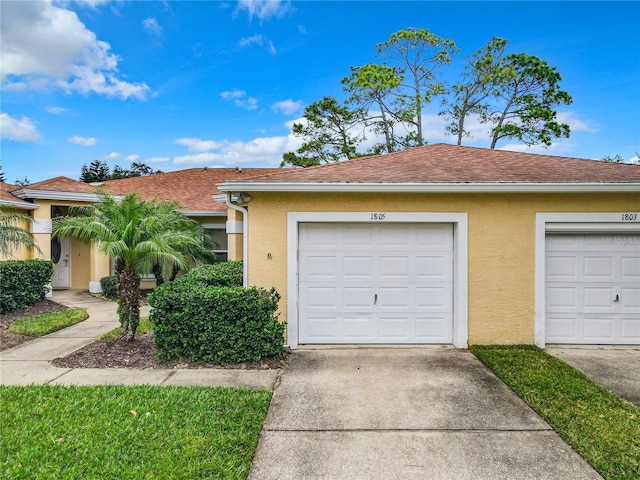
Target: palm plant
[12,236]
[138,234]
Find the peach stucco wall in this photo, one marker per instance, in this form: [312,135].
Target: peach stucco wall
[501,274]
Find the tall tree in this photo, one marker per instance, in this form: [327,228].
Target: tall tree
[327,134]
[97,171]
[526,100]
[370,87]
[2,177]
[419,54]
[12,236]
[471,95]
[138,234]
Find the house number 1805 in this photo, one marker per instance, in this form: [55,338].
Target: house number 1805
[378,216]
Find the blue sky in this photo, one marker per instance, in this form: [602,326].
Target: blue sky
[179,84]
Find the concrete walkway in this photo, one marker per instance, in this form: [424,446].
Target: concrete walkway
[614,367]
[404,413]
[28,363]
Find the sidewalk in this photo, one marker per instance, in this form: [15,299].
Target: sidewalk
[28,363]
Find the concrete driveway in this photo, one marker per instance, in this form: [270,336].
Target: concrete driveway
[404,413]
[616,368]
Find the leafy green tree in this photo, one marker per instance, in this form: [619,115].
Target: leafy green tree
[527,97]
[327,134]
[138,234]
[471,96]
[12,236]
[371,88]
[97,171]
[418,54]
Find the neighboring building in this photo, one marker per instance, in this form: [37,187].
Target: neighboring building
[447,244]
[79,265]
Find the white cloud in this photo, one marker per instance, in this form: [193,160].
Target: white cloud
[240,98]
[18,129]
[152,25]
[197,145]
[574,123]
[45,46]
[84,141]
[259,40]
[112,156]
[302,29]
[157,159]
[288,107]
[133,158]
[264,9]
[56,110]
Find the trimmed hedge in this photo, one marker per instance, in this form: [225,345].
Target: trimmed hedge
[223,274]
[23,283]
[109,286]
[218,325]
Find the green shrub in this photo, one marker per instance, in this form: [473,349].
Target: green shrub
[110,286]
[223,274]
[23,283]
[218,325]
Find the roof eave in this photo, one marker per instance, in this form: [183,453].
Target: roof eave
[435,187]
[19,205]
[204,213]
[60,195]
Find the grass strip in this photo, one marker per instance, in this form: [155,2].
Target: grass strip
[602,427]
[40,325]
[141,432]
[144,327]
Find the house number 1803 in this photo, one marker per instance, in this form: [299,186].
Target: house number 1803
[378,216]
[629,217]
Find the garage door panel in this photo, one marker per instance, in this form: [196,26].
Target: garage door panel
[630,269]
[630,329]
[592,289]
[357,267]
[598,268]
[388,283]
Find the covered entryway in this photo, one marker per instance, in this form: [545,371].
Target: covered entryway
[592,289]
[375,283]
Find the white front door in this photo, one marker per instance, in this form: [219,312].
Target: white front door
[593,289]
[60,256]
[375,283]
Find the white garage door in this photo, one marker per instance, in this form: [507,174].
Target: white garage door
[375,283]
[593,289]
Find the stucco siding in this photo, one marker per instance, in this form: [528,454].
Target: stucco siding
[501,251]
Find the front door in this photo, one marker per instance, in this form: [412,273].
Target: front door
[60,250]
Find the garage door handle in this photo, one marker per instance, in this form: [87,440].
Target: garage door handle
[375,299]
[617,299]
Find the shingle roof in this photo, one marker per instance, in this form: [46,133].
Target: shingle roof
[442,163]
[61,184]
[7,198]
[192,188]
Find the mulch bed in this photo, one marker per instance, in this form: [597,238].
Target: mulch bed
[141,353]
[116,353]
[9,339]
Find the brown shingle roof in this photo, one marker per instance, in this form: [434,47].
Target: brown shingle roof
[7,197]
[192,188]
[442,163]
[62,184]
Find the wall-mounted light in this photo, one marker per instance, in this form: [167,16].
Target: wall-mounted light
[241,197]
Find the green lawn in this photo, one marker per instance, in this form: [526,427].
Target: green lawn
[144,327]
[45,323]
[598,424]
[143,432]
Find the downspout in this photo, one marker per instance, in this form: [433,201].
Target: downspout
[245,238]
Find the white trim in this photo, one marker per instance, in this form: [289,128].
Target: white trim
[59,195]
[460,247]
[427,187]
[213,226]
[20,205]
[234,227]
[569,223]
[204,213]
[41,226]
